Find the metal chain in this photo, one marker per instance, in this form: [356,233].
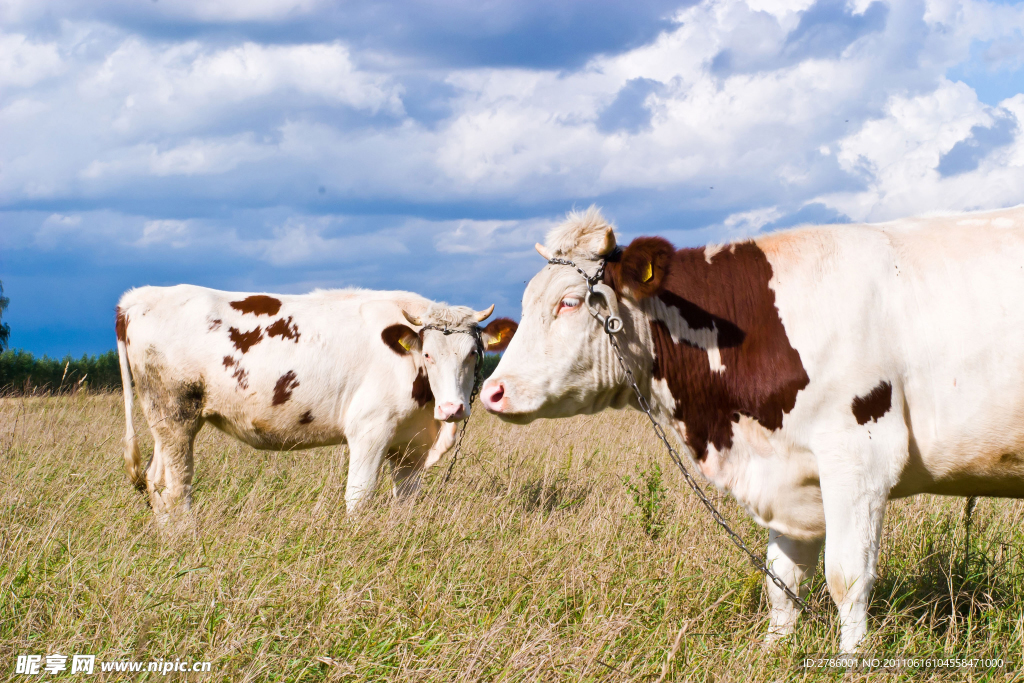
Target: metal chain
[478,379]
[591,281]
[674,454]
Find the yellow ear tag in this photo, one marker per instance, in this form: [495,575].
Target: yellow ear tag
[649,273]
[495,339]
[406,342]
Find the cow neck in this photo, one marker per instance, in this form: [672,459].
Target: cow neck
[613,388]
[637,348]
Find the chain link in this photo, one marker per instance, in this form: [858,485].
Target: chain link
[674,454]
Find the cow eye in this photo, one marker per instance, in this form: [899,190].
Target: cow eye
[568,304]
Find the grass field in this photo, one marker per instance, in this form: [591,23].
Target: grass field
[534,563]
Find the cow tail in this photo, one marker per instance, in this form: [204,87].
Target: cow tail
[132,456]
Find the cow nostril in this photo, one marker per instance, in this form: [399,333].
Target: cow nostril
[494,394]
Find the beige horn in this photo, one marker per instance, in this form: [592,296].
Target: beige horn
[411,318]
[483,315]
[608,245]
[543,251]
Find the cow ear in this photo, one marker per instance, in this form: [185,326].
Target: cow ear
[401,339]
[498,334]
[644,265]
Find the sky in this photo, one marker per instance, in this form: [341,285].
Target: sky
[425,145]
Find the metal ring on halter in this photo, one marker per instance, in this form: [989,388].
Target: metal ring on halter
[611,323]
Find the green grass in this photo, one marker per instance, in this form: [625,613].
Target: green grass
[532,564]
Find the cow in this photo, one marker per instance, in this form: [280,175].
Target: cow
[388,373]
[814,373]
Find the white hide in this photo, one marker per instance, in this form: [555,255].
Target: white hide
[933,305]
[329,380]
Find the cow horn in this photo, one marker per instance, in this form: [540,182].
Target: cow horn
[411,318]
[483,315]
[543,251]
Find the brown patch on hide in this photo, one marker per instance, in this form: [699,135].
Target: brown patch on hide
[284,329]
[306,418]
[499,333]
[240,374]
[763,372]
[400,338]
[244,341]
[214,324]
[874,404]
[258,304]
[121,326]
[188,404]
[286,383]
[421,392]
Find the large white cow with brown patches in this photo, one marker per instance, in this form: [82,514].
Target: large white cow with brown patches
[814,373]
[288,372]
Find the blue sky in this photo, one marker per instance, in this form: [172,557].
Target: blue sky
[284,145]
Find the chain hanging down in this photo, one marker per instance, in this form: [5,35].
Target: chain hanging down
[478,379]
[613,324]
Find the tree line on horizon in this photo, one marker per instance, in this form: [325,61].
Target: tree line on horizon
[22,373]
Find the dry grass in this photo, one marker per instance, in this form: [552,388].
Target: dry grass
[531,565]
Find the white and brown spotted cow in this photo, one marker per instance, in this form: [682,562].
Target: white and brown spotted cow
[290,372]
[813,373]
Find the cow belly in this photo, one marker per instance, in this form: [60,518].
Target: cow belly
[965,468]
[271,435]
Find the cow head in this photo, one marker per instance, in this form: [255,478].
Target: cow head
[447,362]
[561,362]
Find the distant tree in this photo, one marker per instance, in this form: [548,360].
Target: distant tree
[5,329]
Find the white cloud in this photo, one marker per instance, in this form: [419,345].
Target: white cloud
[172,232]
[498,238]
[899,155]
[56,228]
[746,223]
[239,10]
[193,157]
[176,87]
[301,241]
[731,105]
[24,63]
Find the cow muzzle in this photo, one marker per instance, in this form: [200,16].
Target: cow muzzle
[450,411]
[493,396]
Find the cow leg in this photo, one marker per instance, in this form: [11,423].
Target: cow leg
[854,495]
[858,464]
[174,413]
[423,450]
[406,468]
[442,444]
[169,477]
[366,451]
[794,562]
[852,541]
